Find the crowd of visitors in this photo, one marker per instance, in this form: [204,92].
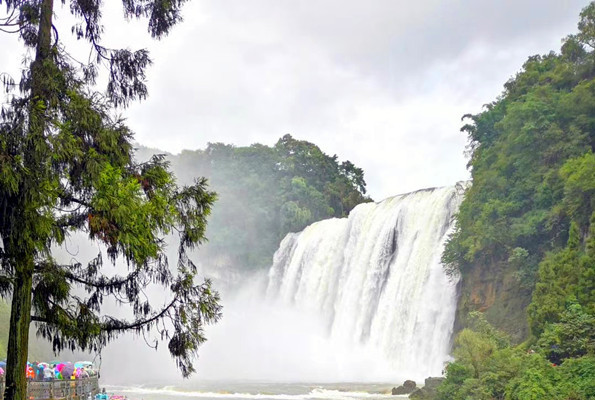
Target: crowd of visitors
[42,371]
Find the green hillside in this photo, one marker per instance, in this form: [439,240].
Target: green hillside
[525,237]
[264,192]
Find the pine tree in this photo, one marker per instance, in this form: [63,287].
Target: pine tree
[66,165]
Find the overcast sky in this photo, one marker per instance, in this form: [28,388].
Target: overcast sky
[382,83]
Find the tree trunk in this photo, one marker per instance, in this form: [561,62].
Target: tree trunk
[18,339]
[23,256]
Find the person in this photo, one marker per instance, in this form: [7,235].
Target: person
[102,395]
[38,369]
[29,372]
[48,373]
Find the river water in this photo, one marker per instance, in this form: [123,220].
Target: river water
[238,390]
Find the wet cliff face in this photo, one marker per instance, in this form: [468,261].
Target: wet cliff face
[494,290]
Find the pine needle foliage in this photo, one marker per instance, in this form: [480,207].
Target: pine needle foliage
[66,165]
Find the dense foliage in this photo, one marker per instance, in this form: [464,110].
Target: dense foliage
[530,214]
[532,164]
[488,368]
[265,192]
[66,166]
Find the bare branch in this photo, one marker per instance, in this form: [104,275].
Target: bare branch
[117,325]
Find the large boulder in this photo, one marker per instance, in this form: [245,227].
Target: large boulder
[398,390]
[428,392]
[433,382]
[422,394]
[406,388]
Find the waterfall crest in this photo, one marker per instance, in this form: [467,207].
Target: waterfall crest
[375,278]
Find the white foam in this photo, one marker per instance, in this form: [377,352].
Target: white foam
[317,393]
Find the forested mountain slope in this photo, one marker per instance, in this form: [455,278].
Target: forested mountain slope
[533,174]
[525,235]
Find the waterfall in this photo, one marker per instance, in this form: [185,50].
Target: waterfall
[376,279]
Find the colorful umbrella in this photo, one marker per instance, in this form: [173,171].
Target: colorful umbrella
[67,370]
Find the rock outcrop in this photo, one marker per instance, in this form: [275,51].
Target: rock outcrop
[407,387]
[494,290]
[432,383]
[428,392]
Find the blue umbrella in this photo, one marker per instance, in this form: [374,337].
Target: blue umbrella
[2,364]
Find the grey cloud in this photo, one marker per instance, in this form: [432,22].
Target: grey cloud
[402,35]
[382,83]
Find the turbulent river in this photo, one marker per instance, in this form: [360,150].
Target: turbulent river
[258,391]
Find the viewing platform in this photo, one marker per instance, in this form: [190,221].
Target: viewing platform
[74,389]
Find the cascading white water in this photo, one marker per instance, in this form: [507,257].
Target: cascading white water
[359,299]
[376,278]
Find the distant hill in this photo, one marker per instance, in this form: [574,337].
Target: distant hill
[264,193]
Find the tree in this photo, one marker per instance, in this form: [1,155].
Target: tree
[474,345]
[66,165]
[572,337]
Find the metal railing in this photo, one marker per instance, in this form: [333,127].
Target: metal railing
[75,389]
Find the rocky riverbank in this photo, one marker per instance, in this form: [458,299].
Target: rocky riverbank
[426,392]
